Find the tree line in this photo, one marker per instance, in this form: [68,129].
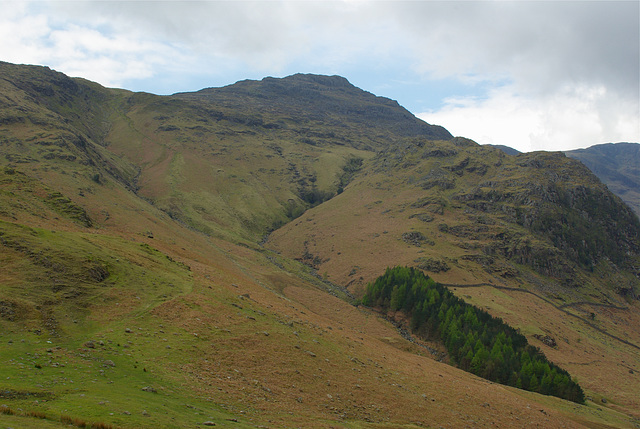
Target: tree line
[475,341]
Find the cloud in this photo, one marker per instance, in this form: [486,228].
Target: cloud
[543,45]
[22,35]
[574,117]
[31,35]
[559,75]
[261,34]
[521,60]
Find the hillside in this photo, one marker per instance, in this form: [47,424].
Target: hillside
[618,166]
[541,211]
[521,236]
[138,288]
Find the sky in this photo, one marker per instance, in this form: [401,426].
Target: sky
[532,75]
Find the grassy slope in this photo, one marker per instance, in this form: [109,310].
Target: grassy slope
[202,333]
[225,178]
[103,294]
[354,247]
[465,223]
[241,340]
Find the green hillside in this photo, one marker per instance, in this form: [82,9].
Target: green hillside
[196,260]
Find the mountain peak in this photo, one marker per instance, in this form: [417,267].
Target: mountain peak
[297,85]
[320,98]
[333,81]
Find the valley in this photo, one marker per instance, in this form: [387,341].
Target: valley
[198,259]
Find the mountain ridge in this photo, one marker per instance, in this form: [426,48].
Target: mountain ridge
[296,94]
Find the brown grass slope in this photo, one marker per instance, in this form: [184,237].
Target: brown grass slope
[524,236]
[133,293]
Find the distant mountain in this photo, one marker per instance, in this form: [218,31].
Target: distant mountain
[506,149]
[618,166]
[198,259]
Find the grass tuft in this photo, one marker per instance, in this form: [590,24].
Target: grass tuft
[73,421]
[99,425]
[36,414]
[6,410]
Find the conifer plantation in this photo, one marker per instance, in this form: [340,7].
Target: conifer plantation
[475,341]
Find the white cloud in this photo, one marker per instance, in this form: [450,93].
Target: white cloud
[568,119]
[37,37]
[110,60]
[22,35]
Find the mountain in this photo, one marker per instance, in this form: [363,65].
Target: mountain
[506,149]
[320,101]
[197,260]
[618,166]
